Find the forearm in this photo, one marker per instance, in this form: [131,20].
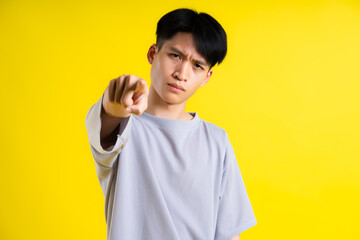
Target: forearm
[109,128]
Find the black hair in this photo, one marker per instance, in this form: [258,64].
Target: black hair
[209,36]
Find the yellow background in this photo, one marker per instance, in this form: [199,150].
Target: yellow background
[287,94]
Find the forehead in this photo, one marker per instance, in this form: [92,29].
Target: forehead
[184,42]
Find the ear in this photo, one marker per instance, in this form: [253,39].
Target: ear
[151,53]
[208,75]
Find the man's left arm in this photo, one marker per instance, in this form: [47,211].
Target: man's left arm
[235,213]
[237,237]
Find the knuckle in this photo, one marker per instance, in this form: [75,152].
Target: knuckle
[119,79]
[127,79]
[112,82]
[126,101]
[133,79]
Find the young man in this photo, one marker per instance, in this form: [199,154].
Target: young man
[166,173]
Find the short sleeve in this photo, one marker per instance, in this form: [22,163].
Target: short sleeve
[235,213]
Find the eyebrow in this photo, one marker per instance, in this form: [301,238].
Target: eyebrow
[182,54]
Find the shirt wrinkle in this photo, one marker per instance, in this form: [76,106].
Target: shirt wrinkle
[173,179]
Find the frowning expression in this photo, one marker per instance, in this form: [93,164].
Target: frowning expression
[177,70]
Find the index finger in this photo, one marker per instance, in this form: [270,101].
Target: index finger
[141,86]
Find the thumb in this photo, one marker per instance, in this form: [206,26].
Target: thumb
[133,109]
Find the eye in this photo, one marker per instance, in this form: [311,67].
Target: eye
[174,55]
[198,67]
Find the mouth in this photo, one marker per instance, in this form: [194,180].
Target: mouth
[177,87]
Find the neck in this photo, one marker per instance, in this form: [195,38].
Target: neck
[158,107]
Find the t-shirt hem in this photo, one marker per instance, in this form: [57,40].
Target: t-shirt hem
[238,230]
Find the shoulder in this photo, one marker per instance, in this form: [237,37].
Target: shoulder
[216,133]
[213,127]
[220,141]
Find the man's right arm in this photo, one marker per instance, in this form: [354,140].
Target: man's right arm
[108,122]
[109,129]
[125,95]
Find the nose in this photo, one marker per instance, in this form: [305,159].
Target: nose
[182,71]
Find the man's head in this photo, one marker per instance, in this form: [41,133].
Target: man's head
[188,46]
[209,36]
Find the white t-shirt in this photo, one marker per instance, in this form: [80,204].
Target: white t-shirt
[169,179]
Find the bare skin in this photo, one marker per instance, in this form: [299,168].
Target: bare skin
[176,64]
[125,95]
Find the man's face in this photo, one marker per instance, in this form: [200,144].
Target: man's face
[177,70]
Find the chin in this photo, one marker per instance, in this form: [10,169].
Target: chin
[172,98]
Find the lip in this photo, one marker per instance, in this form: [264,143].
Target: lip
[176,87]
